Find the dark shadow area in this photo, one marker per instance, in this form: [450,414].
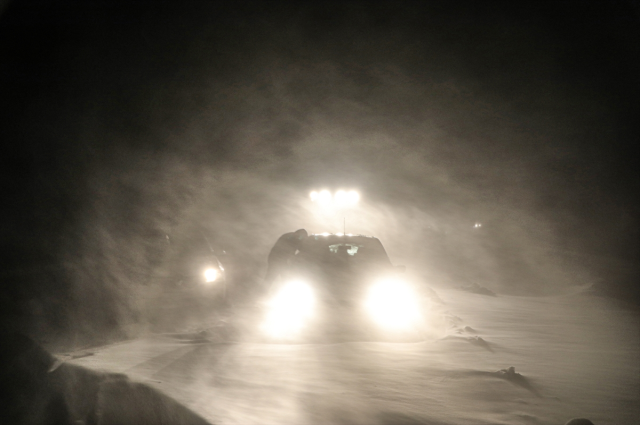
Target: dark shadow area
[39,389]
[509,375]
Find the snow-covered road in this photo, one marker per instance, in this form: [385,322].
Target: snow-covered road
[574,356]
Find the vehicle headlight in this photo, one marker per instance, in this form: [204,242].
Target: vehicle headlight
[210,275]
[393,304]
[289,309]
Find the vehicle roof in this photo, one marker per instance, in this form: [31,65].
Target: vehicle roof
[340,236]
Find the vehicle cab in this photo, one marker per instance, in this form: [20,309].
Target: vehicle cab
[339,283]
[339,265]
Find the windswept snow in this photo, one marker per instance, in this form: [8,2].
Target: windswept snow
[498,360]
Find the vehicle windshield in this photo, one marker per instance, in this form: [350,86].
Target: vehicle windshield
[350,249]
[354,249]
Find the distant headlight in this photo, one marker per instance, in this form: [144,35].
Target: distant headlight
[289,309]
[210,275]
[393,305]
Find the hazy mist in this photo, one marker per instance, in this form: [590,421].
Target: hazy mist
[130,124]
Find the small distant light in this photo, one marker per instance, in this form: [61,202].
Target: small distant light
[339,234]
[325,234]
[477,225]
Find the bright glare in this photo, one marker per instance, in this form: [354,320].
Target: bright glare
[340,199]
[353,197]
[289,310]
[324,197]
[210,275]
[393,305]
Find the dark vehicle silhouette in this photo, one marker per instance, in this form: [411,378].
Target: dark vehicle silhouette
[341,284]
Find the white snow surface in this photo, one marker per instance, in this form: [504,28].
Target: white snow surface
[574,355]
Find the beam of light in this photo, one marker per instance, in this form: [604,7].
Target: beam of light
[341,198]
[325,198]
[353,197]
[289,310]
[393,305]
[210,275]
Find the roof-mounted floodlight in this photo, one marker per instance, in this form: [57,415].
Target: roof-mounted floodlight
[339,199]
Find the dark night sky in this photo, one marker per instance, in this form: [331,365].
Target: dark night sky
[125,121]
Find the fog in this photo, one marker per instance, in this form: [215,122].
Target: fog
[130,126]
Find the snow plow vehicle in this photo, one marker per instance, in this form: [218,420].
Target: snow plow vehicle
[343,286]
